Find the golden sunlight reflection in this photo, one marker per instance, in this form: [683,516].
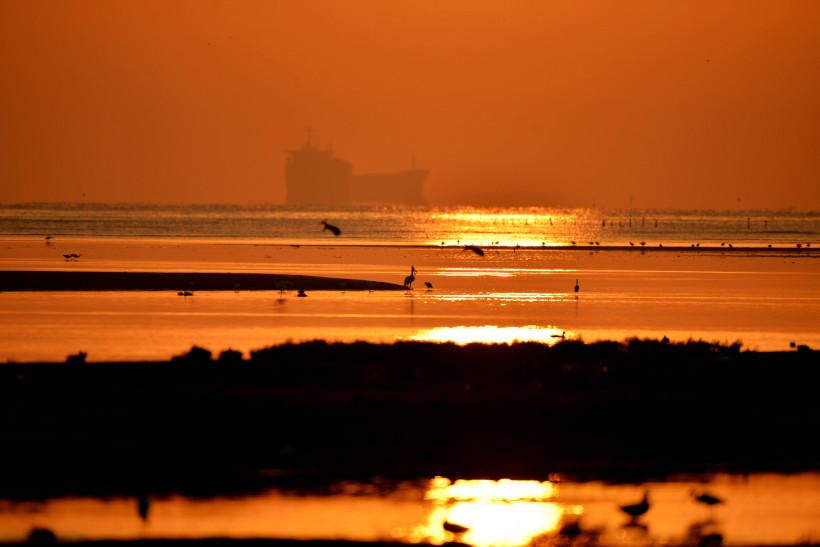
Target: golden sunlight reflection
[484,513]
[502,228]
[491,334]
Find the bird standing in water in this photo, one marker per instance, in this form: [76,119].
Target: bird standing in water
[335,229]
[577,287]
[635,510]
[408,281]
[428,285]
[456,529]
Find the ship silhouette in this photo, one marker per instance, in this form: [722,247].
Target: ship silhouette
[314,176]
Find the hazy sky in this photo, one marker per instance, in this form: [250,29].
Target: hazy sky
[676,103]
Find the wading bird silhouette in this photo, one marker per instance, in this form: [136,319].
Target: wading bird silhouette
[635,510]
[408,281]
[336,231]
[577,287]
[428,284]
[455,529]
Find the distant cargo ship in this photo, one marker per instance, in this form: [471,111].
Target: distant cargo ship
[316,177]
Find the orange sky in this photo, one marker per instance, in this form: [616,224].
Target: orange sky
[687,104]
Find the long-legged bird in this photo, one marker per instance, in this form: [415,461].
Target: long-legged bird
[408,281]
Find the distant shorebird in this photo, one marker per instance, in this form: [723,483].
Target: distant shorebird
[67,257]
[453,528]
[75,256]
[577,287]
[408,281]
[301,292]
[185,293]
[635,510]
[477,250]
[428,284]
[336,231]
[706,498]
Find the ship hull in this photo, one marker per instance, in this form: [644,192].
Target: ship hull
[404,187]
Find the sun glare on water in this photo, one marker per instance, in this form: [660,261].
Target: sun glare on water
[490,513]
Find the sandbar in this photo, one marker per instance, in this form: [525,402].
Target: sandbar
[173,281]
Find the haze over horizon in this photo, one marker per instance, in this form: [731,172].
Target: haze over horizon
[696,105]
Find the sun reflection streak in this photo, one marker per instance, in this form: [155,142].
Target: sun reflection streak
[503,513]
[492,334]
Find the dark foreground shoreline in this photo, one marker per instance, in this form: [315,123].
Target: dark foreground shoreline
[308,414]
[179,281]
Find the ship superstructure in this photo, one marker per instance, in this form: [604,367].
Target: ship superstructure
[314,176]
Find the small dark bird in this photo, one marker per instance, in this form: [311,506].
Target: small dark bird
[635,510]
[643,243]
[336,231]
[185,293]
[453,528]
[408,281]
[572,242]
[631,244]
[67,257]
[476,250]
[49,238]
[706,499]
[75,256]
[428,284]
[577,287]
[301,292]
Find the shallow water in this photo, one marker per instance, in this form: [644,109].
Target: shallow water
[758,509]
[764,300]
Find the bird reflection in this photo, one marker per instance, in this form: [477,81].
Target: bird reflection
[704,534]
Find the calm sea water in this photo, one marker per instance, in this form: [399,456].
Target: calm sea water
[412,225]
